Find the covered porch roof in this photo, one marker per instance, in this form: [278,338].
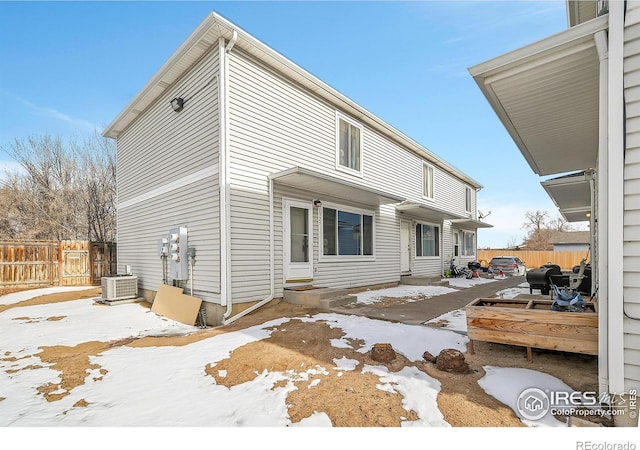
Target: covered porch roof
[423,211]
[320,183]
[572,195]
[546,96]
[470,224]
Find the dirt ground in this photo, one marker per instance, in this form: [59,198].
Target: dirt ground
[350,400]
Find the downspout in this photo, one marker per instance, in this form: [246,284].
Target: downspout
[615,197]
[601,218]
[225,198]
[272,287]
[223,168]
[442,269]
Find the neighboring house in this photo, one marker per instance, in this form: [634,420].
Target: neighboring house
[571,103]
[278,180]
[571,241]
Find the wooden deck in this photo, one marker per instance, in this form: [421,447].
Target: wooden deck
[531,323]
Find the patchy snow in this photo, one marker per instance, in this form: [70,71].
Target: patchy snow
[17,297]
[147,386]
[507,383]
[414,292]
[455,321]
[466,283]
[419,392]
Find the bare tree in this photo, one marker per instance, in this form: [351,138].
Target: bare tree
[541,229]
[65,190]
[513,242]
[535,220]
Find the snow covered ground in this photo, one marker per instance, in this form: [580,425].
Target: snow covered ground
[144,387]
[414,293]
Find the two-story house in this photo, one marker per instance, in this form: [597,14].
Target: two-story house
[571,103]
[277,181]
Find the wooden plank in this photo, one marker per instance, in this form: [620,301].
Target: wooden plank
[536,328]
[529,315]
[585,346]
[170,302]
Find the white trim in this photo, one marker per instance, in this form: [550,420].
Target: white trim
[344,258]
[409,225]
[171,186]
[601,228]
[467,189]
[340,167]
[287,203]
[224,195]
[440,239]
[475,242]
[433,183]
[615,197]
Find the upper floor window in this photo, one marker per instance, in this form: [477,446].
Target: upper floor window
[427,181]
[467,199]
[349,145]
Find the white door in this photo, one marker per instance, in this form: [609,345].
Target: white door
[298,241]
[405,246]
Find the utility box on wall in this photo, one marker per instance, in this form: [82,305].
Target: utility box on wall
[178,259]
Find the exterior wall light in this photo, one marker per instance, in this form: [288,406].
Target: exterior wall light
[177,104]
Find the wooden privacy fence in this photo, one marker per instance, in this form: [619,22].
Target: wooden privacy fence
[55,263]
[536,258]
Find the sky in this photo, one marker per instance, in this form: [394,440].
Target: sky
[113,398]
[68,69]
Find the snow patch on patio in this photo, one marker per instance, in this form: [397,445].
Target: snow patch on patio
[455,320]
[413,292]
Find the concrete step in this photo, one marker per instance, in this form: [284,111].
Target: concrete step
[416,280]
[313,297]
[328,303]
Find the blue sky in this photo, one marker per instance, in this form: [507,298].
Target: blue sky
[68,68]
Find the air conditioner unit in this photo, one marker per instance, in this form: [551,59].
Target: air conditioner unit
[119,287]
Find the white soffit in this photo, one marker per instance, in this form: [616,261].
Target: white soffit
[321,184]
[470,224]
[423,211]
[571,194]
[546,95]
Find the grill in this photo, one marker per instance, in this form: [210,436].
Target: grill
[541,278]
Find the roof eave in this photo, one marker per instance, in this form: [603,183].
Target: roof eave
[164,77]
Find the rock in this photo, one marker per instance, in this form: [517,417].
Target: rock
[383,353]
[428,357]
[452,360]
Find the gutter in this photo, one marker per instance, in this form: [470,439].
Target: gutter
[225,190]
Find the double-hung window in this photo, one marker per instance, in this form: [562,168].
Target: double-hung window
[427,181]
[349,145]
[467,199]
[427,240]
[468,243]
[346,233]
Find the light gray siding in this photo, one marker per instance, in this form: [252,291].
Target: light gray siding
[274,125]
[632,199]
[168,177]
